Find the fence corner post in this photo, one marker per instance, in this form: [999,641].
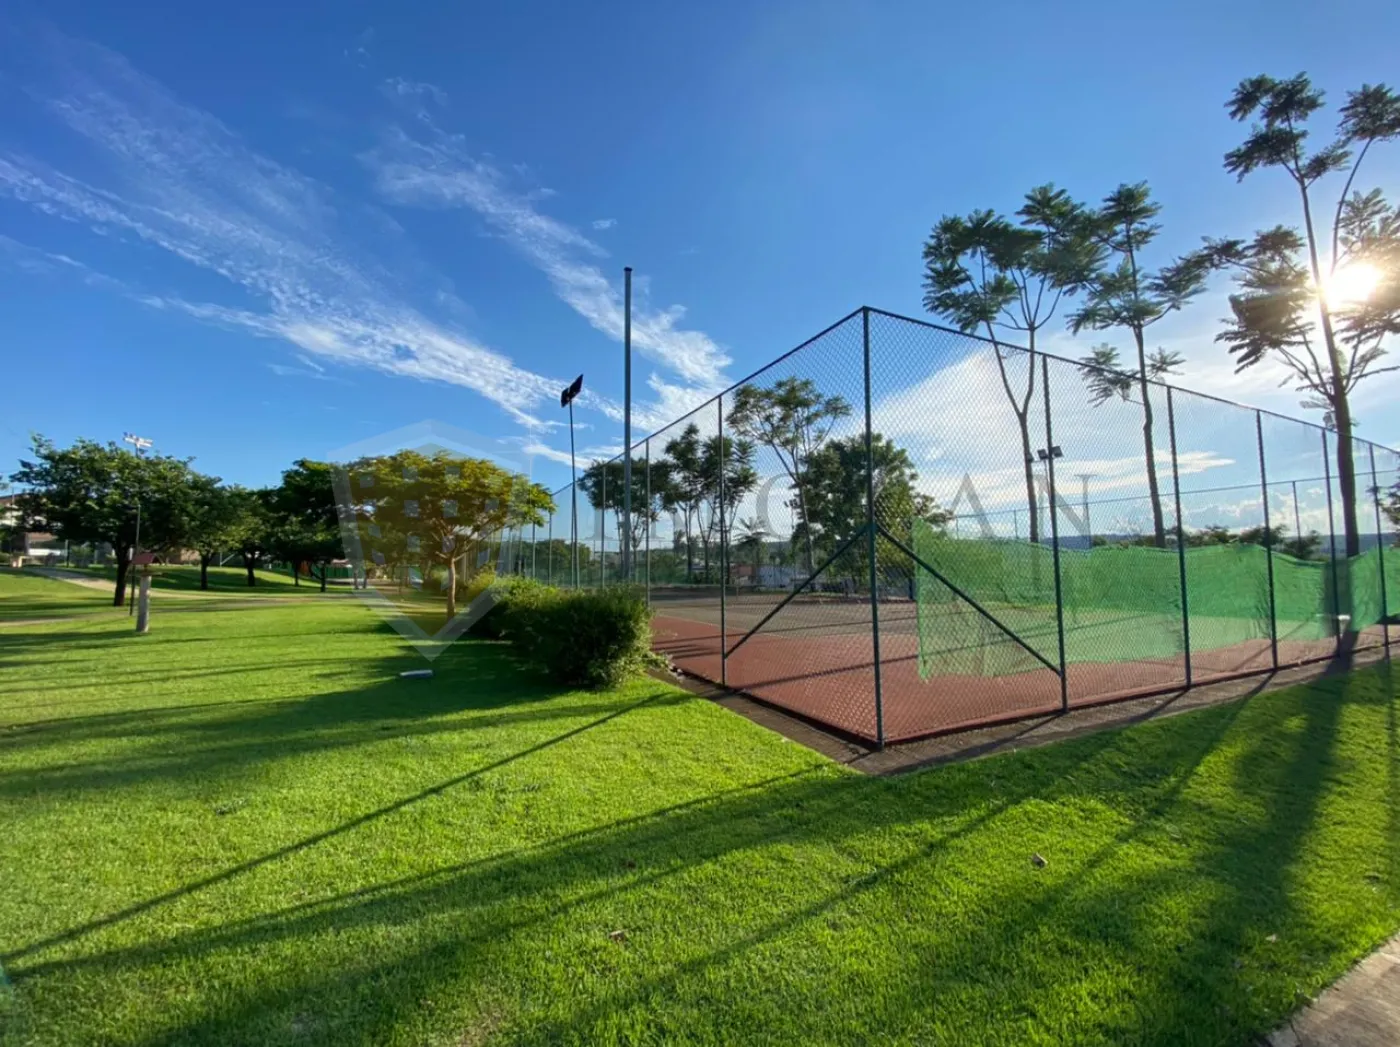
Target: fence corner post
[1180,537]
[1268,543]
[1336,608]
[1380,551]
[723,550]
[872,550]
[646,516]
[1054,533]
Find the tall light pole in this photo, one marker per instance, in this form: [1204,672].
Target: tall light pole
[138,444]
[626,535]
[1084,479]
[566,399]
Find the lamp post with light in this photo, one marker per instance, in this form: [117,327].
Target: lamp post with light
[566,399]
[138,444]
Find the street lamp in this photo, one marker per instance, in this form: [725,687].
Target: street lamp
[1046,458]
[626,535]
[138,444]
[566,399]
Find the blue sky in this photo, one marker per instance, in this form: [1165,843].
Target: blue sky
[256,233]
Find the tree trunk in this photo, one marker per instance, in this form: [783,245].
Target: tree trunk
[807,528]
[1346,472]
[1346,480]
[296,574]
[1159,529]
[1341,405]
[123,565]
[1028,460]
[452,588]
[325,570]
[689,553]
[204,570]
[248,565]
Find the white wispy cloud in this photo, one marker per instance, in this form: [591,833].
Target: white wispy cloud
[308,368]
[604,223]
[401,88]
[584,455]
[430,167]
[176,179]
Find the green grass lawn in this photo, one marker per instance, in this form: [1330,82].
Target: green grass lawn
[244,828]
[28,596]
[231,580]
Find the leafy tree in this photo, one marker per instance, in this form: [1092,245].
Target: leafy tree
[1107,379]
[218,516]
[752,535]
[555,555]
[89,492]
[254,527]
[1212,534]
[838,509]
[305,519]
[985,274]
[793,419]
[727,476]
[1322,301]
[603,483]
[450,510]
[1267,537]
[683,490]
[1123,291]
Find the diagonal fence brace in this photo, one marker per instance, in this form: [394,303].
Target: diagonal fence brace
[793,595]
[1058,671]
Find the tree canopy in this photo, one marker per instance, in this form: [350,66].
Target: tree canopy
[90,492]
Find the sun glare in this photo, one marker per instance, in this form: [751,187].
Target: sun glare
[1352,284]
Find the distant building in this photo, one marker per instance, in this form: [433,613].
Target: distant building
[31,545]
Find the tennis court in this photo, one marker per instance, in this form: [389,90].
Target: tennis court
[1031,546]
[815,658]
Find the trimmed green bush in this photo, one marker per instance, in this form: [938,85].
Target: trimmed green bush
[588,638]
[505,592]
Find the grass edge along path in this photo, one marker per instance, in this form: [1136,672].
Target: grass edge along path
[267,838]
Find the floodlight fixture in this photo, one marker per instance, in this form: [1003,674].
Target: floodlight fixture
[566,399]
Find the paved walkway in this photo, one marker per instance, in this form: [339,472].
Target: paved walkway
[1361,1010]
[88,581]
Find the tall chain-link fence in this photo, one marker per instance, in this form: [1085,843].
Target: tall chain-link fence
[897,530]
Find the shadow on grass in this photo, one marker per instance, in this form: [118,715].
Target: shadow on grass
[1219,849]
[201,740]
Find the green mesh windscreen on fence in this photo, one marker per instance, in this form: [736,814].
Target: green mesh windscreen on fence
[1122,603]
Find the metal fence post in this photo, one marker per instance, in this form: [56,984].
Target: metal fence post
[1332,538]
[1268,542]
[646,516]
[549,550]
[723,551]
[1180,537]
[871,545]
[1380,550]
[1054,534]
[534,545]
[603,526]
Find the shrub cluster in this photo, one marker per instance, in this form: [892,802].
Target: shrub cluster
[581,638]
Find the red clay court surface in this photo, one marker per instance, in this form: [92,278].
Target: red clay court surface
[817,660]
